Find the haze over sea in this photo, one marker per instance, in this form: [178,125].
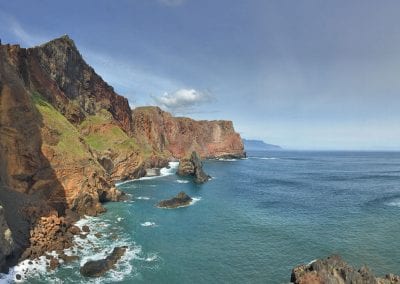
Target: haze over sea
[253,222]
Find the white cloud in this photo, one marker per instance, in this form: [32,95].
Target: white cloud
[172,2]
[183,100]
[128,78]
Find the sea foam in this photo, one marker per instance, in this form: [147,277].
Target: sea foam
[148,224]
[167,171]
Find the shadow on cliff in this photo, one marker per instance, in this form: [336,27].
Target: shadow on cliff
[29,188]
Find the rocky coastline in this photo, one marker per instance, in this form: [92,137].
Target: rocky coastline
[67,137]
[334,269]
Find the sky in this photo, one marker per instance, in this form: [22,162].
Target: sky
[315,75]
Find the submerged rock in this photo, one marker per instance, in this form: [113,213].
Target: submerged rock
[96,268]
[182,199]
[334,269]
[193,167]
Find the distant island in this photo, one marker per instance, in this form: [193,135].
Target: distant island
[257,145]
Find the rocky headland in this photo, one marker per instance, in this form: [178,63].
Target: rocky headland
[182,199]
[334,269]
[66,136]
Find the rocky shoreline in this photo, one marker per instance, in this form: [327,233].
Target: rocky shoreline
[67,136]
[334,269]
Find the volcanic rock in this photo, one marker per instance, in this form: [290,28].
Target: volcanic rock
[66,136]
[96,268]
[182,199]
[192,166]
[334,269]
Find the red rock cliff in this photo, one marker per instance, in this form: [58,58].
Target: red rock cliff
[180,135]
[65,136]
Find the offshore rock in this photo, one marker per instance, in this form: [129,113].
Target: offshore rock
[96,268]
[182,199]
[193,166]
[334,269]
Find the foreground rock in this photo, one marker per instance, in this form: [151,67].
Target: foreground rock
[334,269]
[96,268]
[182,199]
[193,166]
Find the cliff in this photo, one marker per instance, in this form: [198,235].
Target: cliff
[66,136]
[180,136]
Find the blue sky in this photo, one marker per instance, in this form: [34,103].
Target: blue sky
[301,74]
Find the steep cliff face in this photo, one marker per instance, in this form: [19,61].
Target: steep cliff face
[180,136]
[65,136]
[46,166]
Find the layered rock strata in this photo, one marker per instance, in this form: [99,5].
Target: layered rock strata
[180,136]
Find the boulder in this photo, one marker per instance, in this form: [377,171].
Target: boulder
[96,268]
[193,166]
[182,199]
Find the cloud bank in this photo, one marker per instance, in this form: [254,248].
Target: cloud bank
[183,101]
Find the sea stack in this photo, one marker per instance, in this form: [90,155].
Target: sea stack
[192,166]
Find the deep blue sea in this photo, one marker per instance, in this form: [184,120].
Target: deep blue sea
[253,222]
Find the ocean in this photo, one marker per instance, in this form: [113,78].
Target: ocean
[252,222]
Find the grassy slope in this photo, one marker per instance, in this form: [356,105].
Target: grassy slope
[104,134]
[69,144]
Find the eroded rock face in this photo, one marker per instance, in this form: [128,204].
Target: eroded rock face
[182,199]
[96,268]
[46,166]
[179,136]
[192,166]
[334,269]
[6,240]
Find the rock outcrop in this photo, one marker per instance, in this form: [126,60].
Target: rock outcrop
[192,166]
[182,199]
[6,240]
[96,268]
[335,270]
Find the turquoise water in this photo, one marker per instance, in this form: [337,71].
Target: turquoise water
[254,221]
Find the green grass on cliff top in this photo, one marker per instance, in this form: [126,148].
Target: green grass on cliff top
[111,136]
[69,144]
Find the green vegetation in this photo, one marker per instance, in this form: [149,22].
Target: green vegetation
[61,129]
[103,134]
